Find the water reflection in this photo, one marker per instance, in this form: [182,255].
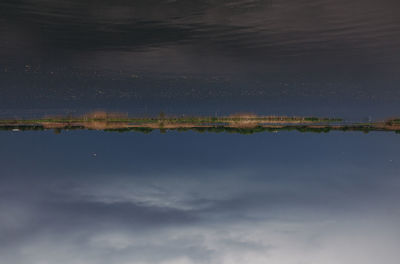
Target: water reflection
[308,57]
[199,198]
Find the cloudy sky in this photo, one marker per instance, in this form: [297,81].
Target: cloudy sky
[199,198]
[192,198]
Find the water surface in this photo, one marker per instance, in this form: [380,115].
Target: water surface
[308,57]
[96,197]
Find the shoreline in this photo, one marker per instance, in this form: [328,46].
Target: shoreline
[239,123]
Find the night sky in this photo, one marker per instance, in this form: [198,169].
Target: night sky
[335,58]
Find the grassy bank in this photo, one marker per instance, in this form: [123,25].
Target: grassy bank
[242,124]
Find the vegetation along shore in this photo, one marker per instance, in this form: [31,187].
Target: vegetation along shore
[237,123]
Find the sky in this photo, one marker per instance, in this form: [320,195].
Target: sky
[96,197]
[331,58]
[285,198]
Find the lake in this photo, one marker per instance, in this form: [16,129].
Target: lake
[329,58]
[225,108]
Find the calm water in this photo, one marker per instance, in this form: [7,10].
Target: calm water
[199,198]
[92,197]
[336,58]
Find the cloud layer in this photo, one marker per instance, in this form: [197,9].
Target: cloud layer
[191,204]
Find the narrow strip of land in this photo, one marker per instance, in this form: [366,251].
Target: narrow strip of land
[244,124]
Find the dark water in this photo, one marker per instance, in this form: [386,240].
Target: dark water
[199,198]
[331,58]
[93,197]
